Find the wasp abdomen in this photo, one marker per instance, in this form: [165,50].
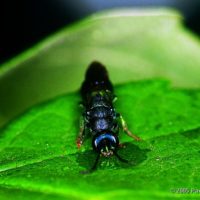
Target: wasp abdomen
[96,79]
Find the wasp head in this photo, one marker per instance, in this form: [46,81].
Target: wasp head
[106,143]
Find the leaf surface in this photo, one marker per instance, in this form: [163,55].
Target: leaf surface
[39,157]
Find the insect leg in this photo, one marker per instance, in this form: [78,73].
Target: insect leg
[122,145]
[126,130]
[81,135]
[114,99]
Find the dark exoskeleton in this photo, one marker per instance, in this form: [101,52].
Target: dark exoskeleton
[99,118]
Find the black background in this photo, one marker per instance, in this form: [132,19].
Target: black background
[25,22]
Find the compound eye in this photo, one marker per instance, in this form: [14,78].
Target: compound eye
[97,142]
[112,141]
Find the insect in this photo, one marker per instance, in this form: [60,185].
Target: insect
[99,118]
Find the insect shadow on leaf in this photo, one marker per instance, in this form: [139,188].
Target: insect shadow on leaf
[133,154]
[192,134]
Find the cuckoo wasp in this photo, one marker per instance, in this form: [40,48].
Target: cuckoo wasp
[99,119]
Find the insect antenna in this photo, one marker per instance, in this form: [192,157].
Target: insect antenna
[120,158]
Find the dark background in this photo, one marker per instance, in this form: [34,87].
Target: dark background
[25,22]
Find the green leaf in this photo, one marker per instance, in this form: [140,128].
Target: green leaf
[133,44]
[39,158]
